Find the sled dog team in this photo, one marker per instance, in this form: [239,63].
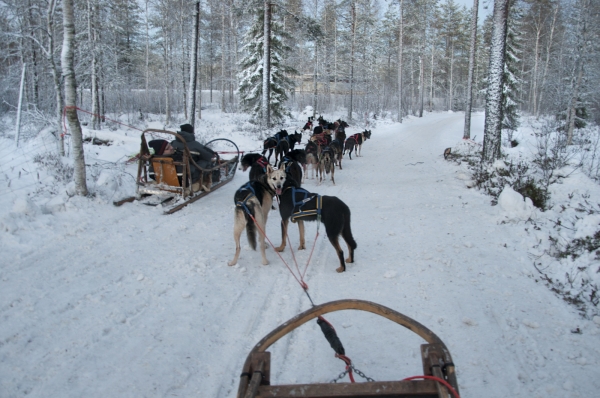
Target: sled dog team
[254,199]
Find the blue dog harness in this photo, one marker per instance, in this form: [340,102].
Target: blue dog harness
[298,212]
[251,194]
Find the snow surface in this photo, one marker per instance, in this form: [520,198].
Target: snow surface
[104,301]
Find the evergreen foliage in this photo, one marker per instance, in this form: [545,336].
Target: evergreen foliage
[512,67]
[251,74]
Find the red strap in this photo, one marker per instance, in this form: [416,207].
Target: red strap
[444,382]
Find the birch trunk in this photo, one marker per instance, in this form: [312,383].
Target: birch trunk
[67,56]
[469,104]
[493,103]
[193,67]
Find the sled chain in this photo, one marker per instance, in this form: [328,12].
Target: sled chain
[340,376]
[361,374]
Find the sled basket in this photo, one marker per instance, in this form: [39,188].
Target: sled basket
[436,360]
[169,182]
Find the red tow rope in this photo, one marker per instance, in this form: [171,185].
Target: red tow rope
[444,382]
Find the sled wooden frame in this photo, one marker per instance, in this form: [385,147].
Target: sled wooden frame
[255,377]
[184,191]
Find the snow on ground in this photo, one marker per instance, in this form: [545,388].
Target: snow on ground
[97,300]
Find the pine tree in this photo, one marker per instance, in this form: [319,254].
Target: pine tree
[251,75]
[512,67]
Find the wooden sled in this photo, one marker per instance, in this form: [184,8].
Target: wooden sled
[172,186]
[436,359]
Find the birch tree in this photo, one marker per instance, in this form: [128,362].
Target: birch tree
[472,50]
[194,66]
[68,71]
[493,104]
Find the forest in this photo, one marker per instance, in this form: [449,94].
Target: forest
[360,58]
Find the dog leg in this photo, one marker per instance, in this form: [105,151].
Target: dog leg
[238,226]
[284,225]
[261,221]
[338,249]
[301,229]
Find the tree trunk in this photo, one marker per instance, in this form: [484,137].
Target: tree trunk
[421,84]
[266,94]
[493,103]
[534,76]
[400,40]
[451,86]
[547,62]
[223,57]
[56,77]
[469,104]
[353,10]
[71,97]
[92,38]
[431,78]
[193,67]
[183,79]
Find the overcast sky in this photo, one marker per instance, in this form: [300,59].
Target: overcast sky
[485,7]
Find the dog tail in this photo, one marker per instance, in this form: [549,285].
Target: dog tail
[251,230]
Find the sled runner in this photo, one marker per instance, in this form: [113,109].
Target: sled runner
[439,380]
[167,180]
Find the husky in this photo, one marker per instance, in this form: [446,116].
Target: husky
[337,145]
[257,164]
[300,205]
[285,145]
[252,204]
[312,150]
[271,143]
[294,163]
[326,164]
[360,139]
[349,146]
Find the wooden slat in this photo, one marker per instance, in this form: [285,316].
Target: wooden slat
[380,389]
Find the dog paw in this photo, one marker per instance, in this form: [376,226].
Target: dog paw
[265,262]
[301,247]
[280,248]
[231,263]
[341,269]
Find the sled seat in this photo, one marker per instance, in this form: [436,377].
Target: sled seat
[165,171]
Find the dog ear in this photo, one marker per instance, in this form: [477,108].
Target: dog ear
[269,169]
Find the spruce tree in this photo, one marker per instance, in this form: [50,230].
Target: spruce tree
[251,75]
[512,67]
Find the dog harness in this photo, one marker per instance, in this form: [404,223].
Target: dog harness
[252,193]
[287,163]
[263,162]
[298,204]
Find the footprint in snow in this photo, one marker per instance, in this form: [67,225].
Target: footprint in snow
[469,322]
